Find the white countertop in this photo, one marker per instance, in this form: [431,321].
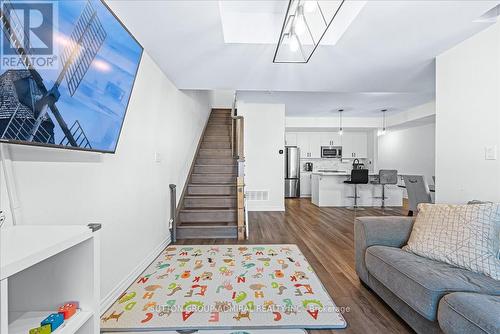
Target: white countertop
[25,245]
[330,189]
[339,174]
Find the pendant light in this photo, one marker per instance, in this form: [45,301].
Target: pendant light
[299,21]
[341,128]
[383,131]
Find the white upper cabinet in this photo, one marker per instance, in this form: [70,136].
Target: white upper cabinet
[326,139]
[290,138]
[354,145]
[309,144]
[303,144]
[330,139]
[315,145]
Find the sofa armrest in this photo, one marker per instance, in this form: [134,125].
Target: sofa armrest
[383,231]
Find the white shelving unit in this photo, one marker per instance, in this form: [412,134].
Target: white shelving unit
[42,267]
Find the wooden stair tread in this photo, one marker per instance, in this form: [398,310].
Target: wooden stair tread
[197,165]
[209,149]
[212,184]
[222,138]
[214,196]
[209,196]
[207,225]
[208,209]
[226,174]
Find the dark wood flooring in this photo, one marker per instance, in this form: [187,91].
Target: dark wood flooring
[325,237]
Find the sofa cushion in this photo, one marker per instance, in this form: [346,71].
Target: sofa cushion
[465,236]
[421,282]
[469,313]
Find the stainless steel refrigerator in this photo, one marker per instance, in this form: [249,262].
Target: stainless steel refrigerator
[292,171]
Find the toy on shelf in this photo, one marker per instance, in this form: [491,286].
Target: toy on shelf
[41,330]
[54,320]
[68,310]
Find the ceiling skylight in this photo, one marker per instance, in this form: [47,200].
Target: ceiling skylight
[260,22]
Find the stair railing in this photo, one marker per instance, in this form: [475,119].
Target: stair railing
[238,151]
[172,223]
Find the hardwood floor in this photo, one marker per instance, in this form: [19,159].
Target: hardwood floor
[325,237]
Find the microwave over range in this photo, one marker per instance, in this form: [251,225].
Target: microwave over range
[331,151]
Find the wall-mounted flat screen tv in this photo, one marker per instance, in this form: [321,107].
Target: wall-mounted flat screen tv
[66,74]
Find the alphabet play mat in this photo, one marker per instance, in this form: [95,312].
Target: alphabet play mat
[225,287]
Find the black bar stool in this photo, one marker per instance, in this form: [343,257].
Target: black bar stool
[358,176]
[386,176]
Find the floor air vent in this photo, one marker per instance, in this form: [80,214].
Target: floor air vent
[257,195]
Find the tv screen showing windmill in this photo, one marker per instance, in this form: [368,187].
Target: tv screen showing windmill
[66,74]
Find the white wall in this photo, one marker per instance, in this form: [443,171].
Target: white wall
[222,99]
[127,192]
[264,137]
[409,150]
[468,119]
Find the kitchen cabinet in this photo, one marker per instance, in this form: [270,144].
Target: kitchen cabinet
[315,145]
[309,144]
[303,144]
[290,139]
[354,145]
[305,184]
[330,139]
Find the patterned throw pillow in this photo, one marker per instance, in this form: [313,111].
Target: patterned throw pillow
[466,236]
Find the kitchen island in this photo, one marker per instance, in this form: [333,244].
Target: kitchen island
[329,189]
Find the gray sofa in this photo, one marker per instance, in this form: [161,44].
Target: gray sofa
[431,296]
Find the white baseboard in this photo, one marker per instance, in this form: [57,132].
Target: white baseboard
[113,295]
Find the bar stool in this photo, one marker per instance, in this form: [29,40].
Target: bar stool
[358,176]
[386,176]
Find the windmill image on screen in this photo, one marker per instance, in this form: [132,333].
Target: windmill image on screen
[81,103]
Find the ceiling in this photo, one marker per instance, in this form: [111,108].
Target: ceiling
[385,58]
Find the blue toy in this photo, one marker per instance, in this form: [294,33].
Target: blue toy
[54,320]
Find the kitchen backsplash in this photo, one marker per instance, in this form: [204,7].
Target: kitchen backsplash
[333,164]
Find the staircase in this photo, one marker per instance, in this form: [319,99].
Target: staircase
[209,207]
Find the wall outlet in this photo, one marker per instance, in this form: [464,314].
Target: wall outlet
[491,152]
[157,157]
